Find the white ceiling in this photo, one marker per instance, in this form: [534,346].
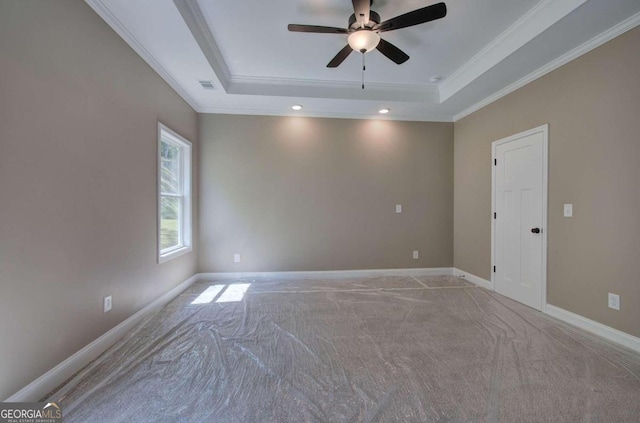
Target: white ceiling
[481,49]
[436,48]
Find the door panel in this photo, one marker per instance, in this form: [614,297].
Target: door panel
[526,214]
[518,194]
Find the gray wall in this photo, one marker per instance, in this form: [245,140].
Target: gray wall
[592,106]
[78,115]
[291,193]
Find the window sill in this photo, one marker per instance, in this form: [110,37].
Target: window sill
[173,254]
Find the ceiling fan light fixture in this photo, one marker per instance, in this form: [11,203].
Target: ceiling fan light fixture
[364,39]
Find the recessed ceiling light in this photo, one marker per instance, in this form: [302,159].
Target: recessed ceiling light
[296,107]
[435,78]
[384,111]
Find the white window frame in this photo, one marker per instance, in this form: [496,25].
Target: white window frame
[185,235]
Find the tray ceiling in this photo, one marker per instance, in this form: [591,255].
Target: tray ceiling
[480,50]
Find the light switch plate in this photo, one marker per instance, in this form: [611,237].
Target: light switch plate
[614,301]
[398,208]
[568,210]
[416,254]
[236,258]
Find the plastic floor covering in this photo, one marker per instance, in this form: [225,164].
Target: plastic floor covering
[389,349]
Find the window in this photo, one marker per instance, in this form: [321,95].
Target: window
[174,198]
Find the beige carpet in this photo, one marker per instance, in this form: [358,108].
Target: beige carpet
[393,349]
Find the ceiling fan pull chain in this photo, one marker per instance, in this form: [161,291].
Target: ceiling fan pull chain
[363,69]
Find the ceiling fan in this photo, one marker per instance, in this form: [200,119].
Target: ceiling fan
[364,30]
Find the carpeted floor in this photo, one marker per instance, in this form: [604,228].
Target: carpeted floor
[391,349]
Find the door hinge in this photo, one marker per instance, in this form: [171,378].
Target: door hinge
[494,269]
[495,215]
[495,162]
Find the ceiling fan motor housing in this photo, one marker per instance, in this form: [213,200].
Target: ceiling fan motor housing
[374,19]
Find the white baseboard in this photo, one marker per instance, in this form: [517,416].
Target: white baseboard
[63,371]
[473,278]
[607,332]
[54,377]
[330,274]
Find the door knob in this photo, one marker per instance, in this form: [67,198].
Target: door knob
[535,230]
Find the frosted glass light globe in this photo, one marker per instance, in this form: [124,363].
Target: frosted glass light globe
[364,40]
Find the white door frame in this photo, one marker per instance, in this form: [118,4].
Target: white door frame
[544,129]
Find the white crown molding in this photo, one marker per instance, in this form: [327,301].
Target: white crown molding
[105,13]
[290,87]
[424,117]
[584,48]
[607,332]
[197,24]
[46,383]
[528,26]
[535,21]
[426,88]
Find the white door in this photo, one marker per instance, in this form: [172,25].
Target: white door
[520,197]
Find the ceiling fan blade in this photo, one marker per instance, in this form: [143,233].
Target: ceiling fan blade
[317,29]
[361,8]
[426,14]
[335,62]
[392,52]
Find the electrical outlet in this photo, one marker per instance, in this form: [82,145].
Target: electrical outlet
[236,258]
[106,303]
[614,301]
[416,254]
[398,208]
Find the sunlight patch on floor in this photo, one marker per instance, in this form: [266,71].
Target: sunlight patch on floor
[230,293]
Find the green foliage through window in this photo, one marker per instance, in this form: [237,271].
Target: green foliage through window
[170,195]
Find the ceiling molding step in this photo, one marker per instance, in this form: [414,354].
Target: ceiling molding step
[542,16]
[425,117]
[584,48]
[427,88]
[197,24]
[287,87]
[105,13]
